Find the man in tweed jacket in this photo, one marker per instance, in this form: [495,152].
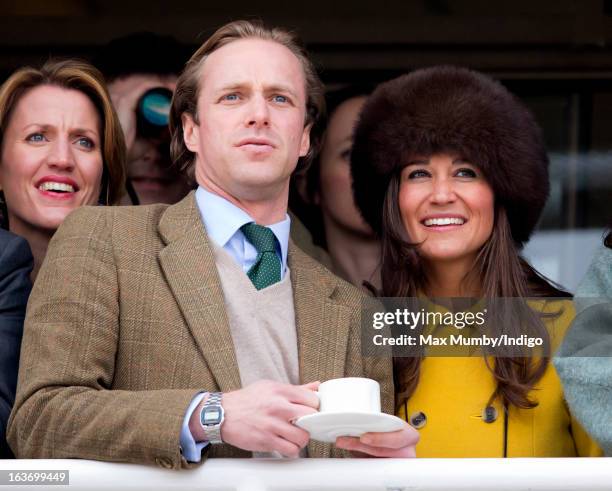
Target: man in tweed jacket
[127,333]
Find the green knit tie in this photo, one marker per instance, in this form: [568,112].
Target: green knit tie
[267,269]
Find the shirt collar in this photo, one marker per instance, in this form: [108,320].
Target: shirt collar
[223,220]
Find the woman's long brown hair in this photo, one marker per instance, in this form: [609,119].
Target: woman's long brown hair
[501,272]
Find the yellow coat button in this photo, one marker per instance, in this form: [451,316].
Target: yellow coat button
[418,420]
[489,414]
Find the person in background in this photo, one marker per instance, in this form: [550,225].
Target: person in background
[61,147]
[323,195]
[15,266]
[204,330]
[451,171]
[141,70]
[584,361]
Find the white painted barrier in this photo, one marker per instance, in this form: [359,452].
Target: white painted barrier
[540,474]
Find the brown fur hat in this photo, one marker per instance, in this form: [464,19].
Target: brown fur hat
[451,109]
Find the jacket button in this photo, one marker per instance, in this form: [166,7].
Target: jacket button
[489,414]
[418,420]
[164,462]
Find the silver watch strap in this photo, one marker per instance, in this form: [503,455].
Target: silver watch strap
[214,398]
[213,432]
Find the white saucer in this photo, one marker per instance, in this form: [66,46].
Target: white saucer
[326,427]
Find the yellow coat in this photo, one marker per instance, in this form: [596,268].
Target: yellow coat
[452,395]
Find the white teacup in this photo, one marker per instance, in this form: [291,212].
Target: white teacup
[350,394]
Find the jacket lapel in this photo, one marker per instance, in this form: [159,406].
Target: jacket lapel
[189,266]
[322,327]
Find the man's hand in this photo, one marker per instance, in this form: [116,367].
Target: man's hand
[395,444]
[260,417]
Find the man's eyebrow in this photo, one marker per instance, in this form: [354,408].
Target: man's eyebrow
[281,88]
[239,85]
[236,86]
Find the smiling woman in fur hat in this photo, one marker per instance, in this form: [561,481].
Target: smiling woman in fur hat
[450,170]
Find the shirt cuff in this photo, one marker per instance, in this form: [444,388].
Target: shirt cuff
[192,450]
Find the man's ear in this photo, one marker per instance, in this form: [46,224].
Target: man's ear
[305,143]
[191,136]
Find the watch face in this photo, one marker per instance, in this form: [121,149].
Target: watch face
[211,415]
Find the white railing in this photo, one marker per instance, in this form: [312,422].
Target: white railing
[329,474]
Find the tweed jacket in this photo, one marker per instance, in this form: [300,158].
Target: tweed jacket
[15,268]
[127,323]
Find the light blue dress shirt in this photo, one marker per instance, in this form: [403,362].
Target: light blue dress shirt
[222,221]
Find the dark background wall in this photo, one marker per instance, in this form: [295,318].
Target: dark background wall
[513,39]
